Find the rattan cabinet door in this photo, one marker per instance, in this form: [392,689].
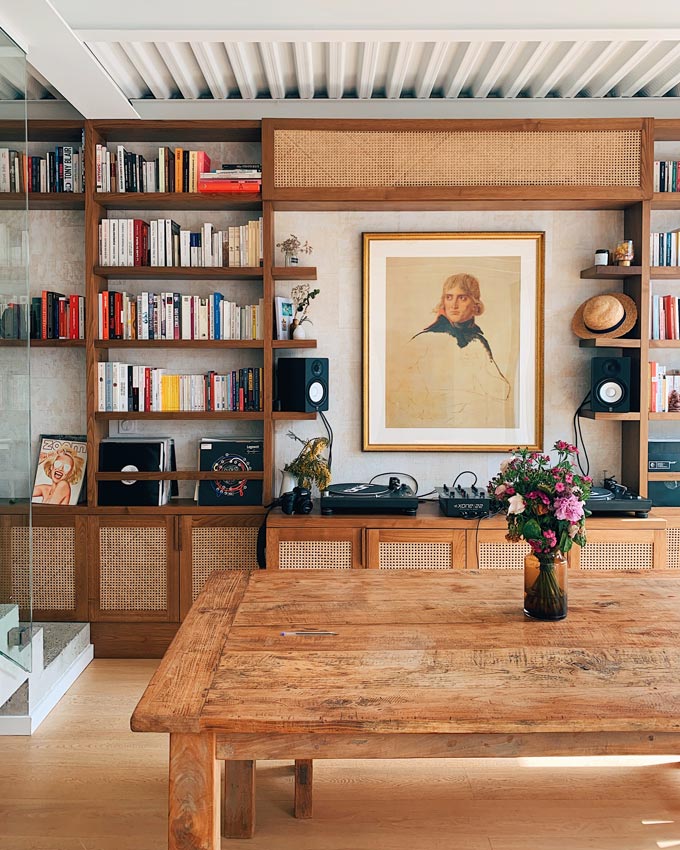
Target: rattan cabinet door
[59,581]
[337,548]
[209,543]
[135,574]
[415,549]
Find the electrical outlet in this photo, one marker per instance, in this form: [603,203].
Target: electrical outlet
[127,426]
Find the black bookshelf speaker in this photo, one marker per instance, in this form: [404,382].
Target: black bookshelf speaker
[302,383]
[610,384]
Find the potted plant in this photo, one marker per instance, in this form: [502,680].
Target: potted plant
[545,506]
[291,247]
[310,467]
[302,296]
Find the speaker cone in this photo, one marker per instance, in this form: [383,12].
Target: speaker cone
[610,392]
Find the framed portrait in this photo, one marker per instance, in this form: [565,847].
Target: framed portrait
[453,341]
[284,316]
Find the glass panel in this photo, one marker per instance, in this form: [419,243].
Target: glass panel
[15,426]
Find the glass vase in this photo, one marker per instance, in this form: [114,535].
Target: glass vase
[545,586]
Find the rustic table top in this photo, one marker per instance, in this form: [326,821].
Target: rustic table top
[418,652]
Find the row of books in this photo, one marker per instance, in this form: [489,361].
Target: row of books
[665,317]
[50,315]
[664,390]
[126,388]
[666,175]
[664,248]
[171,315]
[133,242]
[174,170]
[60,170]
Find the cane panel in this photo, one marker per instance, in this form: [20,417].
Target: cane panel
[53,567]
[315,554]
[617,556]
[501,556]
[673,540]
[133,568]
[221,548]
[415,556]
[383,158]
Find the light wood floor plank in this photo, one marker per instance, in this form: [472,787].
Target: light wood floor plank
[85,782]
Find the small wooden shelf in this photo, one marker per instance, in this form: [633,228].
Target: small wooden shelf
[616,417]
[180,414]
[664,343]
[178,200]
[656,417]
[282,415]
[609,343]
[294,343]
[182,475]
[294,272]
[42,200]
[666,201]
[179,272]
[610,272]
[179,343]
[664,272]
[176,506]
[663,476]
[43,343]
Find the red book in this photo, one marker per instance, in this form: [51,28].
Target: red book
[105,314]
[668,310]
[137,230]
[216,185]
[43,315]
[118,314]
[73,316]
[63,321]
[202,163]
[147,389]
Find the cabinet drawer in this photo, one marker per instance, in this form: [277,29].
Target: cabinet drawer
[392,549]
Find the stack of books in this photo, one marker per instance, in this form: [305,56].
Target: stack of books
[232,177]
[173,171]
[61,170]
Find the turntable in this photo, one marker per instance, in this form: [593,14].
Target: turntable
[369,498]
[615,498]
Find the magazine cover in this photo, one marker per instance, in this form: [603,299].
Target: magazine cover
[230,456]
[61,469]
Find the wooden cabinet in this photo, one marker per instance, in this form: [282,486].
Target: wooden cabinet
[428,549]
[329,547]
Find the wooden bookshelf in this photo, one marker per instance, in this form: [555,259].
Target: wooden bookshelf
[179,273]
[178,200]
[43,343]
[609,342]
[664,343]
[180,414]
[631,416]
[666,201]
[610,272]
[665,272]
[206,344]
[294,343]
[42,200]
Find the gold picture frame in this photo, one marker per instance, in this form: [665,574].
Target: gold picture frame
[453,341]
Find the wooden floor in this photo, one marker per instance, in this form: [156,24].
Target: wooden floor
[85,782]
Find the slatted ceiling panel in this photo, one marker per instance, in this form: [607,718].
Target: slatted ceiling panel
[315,554]
[53,568]
[673,542]
[228,548]
[548,64]
[617,556]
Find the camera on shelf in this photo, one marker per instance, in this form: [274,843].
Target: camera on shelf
[296,501]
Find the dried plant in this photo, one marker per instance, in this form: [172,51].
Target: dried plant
[292,245]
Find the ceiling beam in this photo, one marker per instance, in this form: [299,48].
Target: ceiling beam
[61,57]
[504,57]
[271,61]
[138,54]
[176,59]
[529,67]
[569,59]
[428,77]
[399,69]
[239,65]
[209,62]
[658,68]
[304,69]
[463,70]
[573,87]
[336,70]
[116,63]
[607,84]
[370,51]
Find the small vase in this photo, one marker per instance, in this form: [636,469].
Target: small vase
[290,260]
[545,586]
[288,481]
[299,332]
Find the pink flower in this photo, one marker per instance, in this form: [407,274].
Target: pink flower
[516,505]
[500,490]
[569,508]
[505,464]
[510,490]
[550,537]
[559,487]
[569,478]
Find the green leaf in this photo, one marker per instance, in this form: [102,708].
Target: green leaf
[532,530]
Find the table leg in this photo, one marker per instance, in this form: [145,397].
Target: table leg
[238,799]
[193,810]
[304,772]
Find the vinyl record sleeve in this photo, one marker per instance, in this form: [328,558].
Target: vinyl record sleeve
[124,455]
[60,473]
[230,455]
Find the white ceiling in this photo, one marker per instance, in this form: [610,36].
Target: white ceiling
[363,58]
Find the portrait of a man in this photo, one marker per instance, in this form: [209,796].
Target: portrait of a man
[458,321]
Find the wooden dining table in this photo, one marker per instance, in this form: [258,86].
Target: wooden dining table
[315,664]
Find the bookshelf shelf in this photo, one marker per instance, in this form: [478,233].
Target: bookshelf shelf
[282,415]
[179,273]
[294,343]
[181,507]
[42,200]
[179,343]
[661,417]
[181,475]
[44,343]
[664,343]
[294,273]
[664,476]
[666,201]
[610,272]
[225,415]
[612,417]
[609,343]
[664,272]
[178,200]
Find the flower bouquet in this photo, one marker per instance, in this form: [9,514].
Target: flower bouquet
[545,506]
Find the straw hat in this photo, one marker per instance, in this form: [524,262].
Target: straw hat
[609,315]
